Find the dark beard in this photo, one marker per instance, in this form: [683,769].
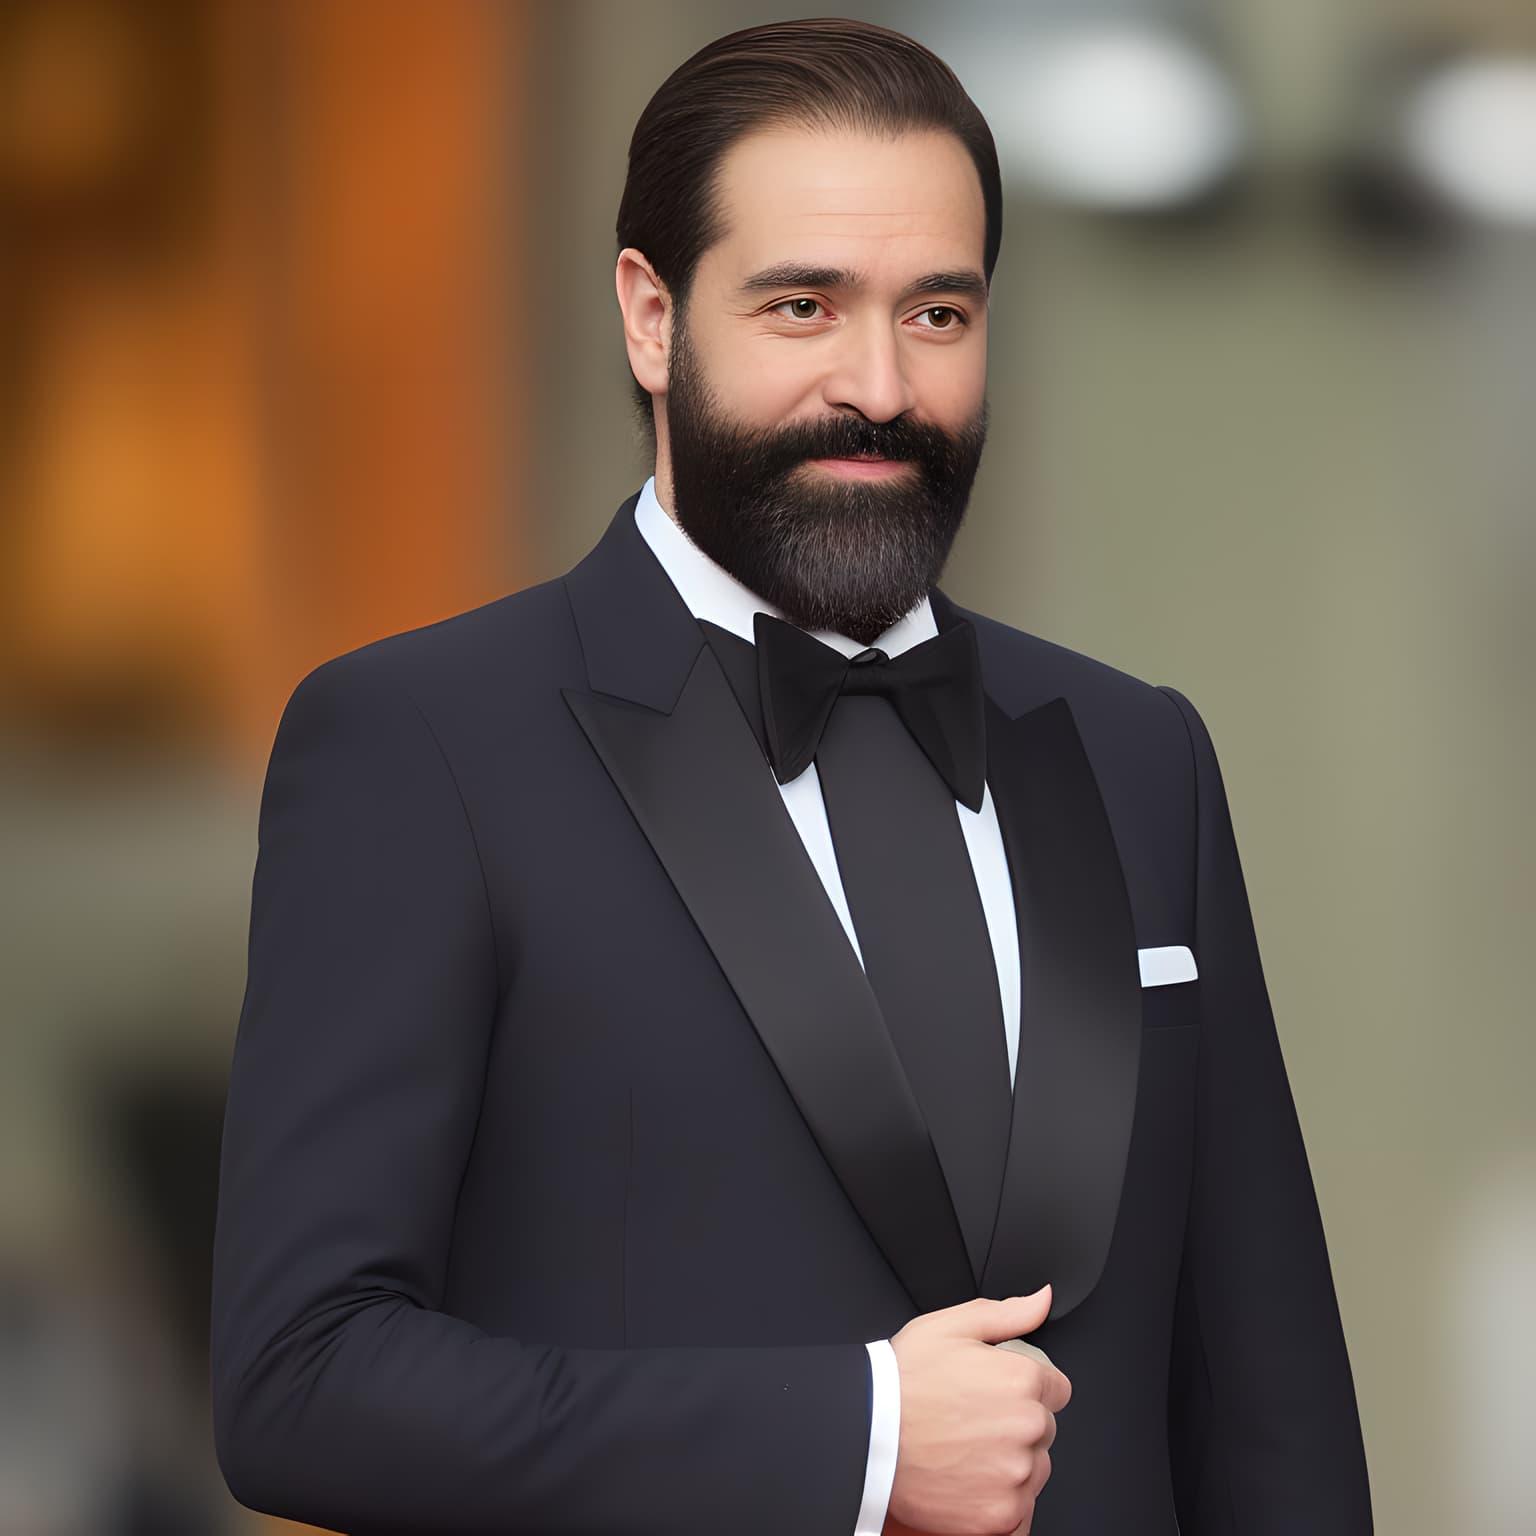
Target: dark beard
[848,555]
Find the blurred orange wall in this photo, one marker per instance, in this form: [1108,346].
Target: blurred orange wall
[264,401]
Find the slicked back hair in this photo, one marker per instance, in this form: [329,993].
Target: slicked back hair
[822,72]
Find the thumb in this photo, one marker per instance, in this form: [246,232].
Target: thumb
[993,1321]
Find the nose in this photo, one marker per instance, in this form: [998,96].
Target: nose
[868,375]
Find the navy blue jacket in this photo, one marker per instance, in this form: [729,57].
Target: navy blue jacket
[568,1165]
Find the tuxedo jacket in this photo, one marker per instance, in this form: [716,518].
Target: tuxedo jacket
[568,1164]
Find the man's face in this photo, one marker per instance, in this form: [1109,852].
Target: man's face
[826,384]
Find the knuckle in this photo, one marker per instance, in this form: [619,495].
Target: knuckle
[1038,1478]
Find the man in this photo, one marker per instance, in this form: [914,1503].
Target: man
[699,1006]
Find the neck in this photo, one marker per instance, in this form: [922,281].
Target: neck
[663,471]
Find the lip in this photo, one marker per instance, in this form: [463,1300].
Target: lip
[862,469]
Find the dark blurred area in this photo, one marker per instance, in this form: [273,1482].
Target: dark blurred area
[307,336]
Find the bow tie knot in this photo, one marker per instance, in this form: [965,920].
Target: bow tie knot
[866,675]
[935,687]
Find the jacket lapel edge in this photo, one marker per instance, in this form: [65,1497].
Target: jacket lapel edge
[1079,1044]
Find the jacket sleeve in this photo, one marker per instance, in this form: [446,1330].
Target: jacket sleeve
[1264,1433]
[343,1395]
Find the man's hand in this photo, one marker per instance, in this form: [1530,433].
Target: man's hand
[977,1423]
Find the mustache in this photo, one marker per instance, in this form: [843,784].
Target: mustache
[845,437]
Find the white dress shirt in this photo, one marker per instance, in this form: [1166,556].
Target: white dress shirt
[713,593]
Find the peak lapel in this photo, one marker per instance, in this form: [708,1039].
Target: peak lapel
[673,738]
[1080,1008]
[1080,1015]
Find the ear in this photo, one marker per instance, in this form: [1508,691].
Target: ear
[647,309]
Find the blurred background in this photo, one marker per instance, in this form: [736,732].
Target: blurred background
[307,335]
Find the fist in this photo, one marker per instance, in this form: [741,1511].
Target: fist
[977,1422]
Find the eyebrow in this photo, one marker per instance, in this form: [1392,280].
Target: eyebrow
[794,274]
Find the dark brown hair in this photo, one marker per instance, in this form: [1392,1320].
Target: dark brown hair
[821,72]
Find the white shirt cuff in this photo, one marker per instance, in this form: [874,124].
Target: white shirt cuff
[884,1433]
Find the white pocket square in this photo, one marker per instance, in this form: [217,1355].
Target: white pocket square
[1172,962]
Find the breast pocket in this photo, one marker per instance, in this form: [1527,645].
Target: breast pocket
[1170,986]
[1170,1005]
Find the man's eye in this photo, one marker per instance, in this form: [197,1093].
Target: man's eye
[946,319]
[799,313]
[942,317]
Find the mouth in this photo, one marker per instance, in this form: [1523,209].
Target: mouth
[861,466]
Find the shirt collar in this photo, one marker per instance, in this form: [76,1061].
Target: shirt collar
[711,592]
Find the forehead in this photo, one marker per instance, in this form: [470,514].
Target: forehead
[848,198]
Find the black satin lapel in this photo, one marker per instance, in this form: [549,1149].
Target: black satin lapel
[1080,1019]
[638,638]
[697,784]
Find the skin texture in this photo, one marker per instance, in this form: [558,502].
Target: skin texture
[891,210]
[977,1423]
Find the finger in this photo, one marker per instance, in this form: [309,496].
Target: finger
[992,1321]
[1055,1388]
[1025,1348]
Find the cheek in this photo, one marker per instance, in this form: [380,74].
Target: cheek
[770,384]
[952,382]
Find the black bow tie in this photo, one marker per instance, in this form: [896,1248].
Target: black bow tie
[935,688]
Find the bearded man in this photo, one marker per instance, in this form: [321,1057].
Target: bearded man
[704,1010]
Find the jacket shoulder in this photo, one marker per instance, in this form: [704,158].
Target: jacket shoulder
[1025,670]
[501,644]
